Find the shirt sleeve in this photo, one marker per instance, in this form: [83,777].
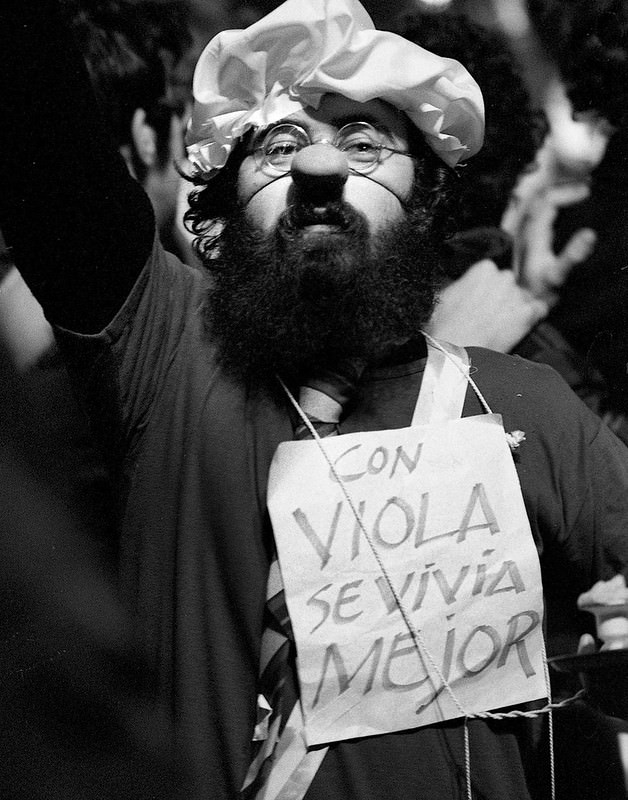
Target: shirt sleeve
[601,527]
[573,471]
[79,227]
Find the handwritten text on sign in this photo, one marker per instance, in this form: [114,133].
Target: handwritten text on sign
[443,510]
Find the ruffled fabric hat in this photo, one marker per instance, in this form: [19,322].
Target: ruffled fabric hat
[306,48]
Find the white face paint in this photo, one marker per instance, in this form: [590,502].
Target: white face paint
[376,195]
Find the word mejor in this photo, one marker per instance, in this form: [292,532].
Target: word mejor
[396,663]
[396,522]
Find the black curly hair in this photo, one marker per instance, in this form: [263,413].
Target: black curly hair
[589,42]
[514,130]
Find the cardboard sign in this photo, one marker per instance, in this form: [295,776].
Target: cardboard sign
[449,540]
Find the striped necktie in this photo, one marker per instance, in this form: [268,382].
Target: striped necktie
[322,400]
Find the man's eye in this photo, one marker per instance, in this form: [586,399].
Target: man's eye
[365,145]
[360,148]
[282,148]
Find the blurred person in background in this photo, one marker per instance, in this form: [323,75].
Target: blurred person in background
[588,42]
[140,58]
[487,301]
[78,473]
[79,717]
[23,327]
[80,720]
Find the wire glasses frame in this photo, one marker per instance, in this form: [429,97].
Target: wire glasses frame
[361,143]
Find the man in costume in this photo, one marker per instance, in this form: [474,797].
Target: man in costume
[325,152]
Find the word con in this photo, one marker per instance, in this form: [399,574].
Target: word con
[380,461]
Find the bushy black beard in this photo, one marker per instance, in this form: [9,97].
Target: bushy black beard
[283,304]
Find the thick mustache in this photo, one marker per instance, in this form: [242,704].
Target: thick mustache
[300,215]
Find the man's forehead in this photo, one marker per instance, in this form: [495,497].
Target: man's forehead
[337,110]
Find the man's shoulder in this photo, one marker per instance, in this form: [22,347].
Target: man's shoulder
[192,274]
[490,364]
[510,381]
[165,296]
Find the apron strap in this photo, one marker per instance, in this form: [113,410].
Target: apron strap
[444,385]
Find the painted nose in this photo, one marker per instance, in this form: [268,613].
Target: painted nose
[319,172]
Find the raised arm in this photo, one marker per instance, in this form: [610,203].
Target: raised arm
[79,227]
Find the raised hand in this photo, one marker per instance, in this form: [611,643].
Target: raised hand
[530,218]
[486,307]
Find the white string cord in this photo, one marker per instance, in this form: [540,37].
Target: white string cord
[467,759]
[514,438]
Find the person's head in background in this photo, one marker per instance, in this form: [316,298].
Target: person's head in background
[514,130]
[138,55]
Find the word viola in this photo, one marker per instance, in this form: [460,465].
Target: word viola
[396,523]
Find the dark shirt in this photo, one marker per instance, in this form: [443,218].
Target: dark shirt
[192,447]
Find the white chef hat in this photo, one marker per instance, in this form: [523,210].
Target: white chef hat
[306,48]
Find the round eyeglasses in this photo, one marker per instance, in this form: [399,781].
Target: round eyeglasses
[363,145]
